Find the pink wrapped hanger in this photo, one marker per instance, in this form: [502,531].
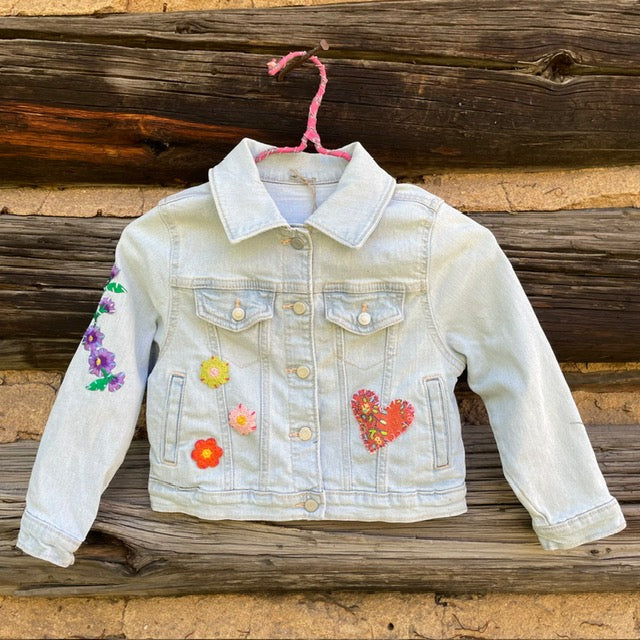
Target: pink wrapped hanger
[283,66]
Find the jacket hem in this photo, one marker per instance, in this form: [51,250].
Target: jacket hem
[308,505]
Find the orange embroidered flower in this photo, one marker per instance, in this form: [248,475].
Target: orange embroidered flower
[243,420]
[214,372]
[207,453]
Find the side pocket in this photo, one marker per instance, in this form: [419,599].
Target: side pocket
[439,417]
[173,414]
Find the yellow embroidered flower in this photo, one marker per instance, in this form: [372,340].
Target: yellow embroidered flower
[214,372]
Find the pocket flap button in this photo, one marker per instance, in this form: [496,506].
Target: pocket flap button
[238,314]
[364,318]
[299,308]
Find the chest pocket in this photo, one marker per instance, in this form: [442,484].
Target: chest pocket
[365,323]
[238,322]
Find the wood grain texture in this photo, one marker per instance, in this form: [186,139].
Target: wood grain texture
[580,269]
[159,98]
[133,550]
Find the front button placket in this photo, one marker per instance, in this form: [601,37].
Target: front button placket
[299,308]
[301,373]
[298,242]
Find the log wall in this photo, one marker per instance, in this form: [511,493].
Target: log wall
[579,268]
[159,98]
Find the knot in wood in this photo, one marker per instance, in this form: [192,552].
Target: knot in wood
[556,66]
[183,27]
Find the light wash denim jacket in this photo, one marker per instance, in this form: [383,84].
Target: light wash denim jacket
[299,326]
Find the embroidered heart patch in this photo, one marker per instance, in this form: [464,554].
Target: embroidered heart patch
[379,427]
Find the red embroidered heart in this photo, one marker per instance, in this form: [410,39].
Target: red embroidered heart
[379,427]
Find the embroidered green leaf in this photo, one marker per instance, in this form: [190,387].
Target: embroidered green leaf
[115,287]
[99,385]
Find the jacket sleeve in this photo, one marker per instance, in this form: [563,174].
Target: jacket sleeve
[93,418]
[487,323]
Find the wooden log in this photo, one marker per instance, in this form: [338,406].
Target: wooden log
[133,550]
[160,98]
[579,268]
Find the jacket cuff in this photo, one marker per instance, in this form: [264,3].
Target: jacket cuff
[589,526]
[42,540]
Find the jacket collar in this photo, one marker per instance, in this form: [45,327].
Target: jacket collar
[349,215]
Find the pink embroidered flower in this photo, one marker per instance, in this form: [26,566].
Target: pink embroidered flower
[206,453]
[243,420]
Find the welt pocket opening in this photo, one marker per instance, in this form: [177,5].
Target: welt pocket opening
[173,417]
[438,415]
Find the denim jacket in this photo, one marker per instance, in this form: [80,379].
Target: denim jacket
[299,326]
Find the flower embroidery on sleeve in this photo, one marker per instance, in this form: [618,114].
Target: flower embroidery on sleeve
[106,305]
[243,420]
[102,362]
[206,453]
[92,338]
[114,287]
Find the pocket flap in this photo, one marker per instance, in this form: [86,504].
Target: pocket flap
[364,313]
[234,310]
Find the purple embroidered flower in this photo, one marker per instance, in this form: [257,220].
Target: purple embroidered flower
[114,272]
[92,338]
[116,381]
[107,305]
[101,361]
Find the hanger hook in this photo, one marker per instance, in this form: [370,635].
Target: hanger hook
[283,66]
[294,60]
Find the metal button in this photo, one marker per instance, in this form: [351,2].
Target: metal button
[364,318]
[299,308]
[311,505]
[298,242]
[238,314]
[305,434]
[303,372]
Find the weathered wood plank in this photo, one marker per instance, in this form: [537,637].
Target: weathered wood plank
[160,98]
[496,34]
[580,269]
[133,550]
